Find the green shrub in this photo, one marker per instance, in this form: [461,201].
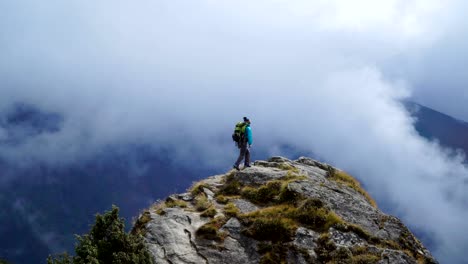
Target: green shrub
[268,192]
[231,210]
[210,212]
[359,250]
[313,214]
[274,253]
[211,231]
[222,199]
[160,211]
[198,188]
[250,193]
[324,248]
[288,196]
[176,203]
[365,259]
[272,229]
[269,258]
[342,254]
[390,244]
[264,247]
[201,202]
[362,233]
[279,211]
[138,227]
[208,232]
[293,176]
[273,192]
[288,167]
[231,186]
[107,242]
[63,258]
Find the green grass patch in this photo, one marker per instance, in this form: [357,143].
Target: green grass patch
[198,188]
[288,167]
[211,231]
[210,212]
[269,258]
[160,211]
[362,255]
[273,252]
[328,252]
[348,180]
[264,247]
[359,250]
[291,176]
[324,248]
[282,220]
[313,214]
[365,259]
[176,203]
[231,210]
[272,229]
[201,202]
[231,186]
[284,210]
[138,227]
[390,244]
[273,192]
[222,199]
[264,194]
[410,245]
[159,207]
[287,195]
[272,223]
[361,232]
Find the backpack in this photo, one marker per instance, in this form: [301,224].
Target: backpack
[239,132]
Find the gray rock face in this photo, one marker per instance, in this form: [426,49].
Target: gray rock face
[169,237]
[279,210]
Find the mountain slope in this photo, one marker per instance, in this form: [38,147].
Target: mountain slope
[129,176]
[299,211]
[431,124]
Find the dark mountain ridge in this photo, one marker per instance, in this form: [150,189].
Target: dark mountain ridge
[433,125]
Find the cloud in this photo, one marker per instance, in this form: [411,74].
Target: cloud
[436,68]
[321,76]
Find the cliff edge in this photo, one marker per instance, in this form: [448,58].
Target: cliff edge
[278,211]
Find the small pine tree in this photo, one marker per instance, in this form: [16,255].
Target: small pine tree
[63,258]
[3,261]
[107,242]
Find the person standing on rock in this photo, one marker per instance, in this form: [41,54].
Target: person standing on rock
[243,136]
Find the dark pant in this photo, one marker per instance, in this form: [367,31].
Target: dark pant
[244,152]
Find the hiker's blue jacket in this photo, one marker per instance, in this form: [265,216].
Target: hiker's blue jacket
[248,132]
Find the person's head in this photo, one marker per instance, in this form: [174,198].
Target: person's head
[246,120]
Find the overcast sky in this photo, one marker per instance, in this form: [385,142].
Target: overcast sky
[322,76]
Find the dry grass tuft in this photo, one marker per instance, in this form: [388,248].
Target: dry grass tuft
[201,202]
[231,210]
[348,180]
[211,231]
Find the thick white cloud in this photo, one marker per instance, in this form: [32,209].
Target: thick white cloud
[322,76]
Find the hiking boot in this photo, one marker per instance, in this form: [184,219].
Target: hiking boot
[236,167]
[247,165]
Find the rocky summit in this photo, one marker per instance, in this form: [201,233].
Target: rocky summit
[277,211]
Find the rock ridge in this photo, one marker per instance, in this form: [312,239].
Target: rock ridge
[277,211]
